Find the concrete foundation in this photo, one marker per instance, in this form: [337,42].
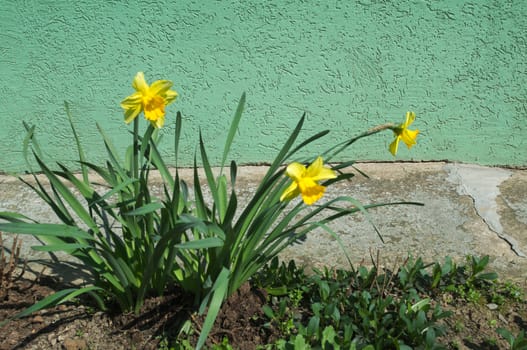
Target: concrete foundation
[468,210]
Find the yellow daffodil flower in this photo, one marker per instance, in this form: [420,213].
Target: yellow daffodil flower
[151,100]
[401,132]
[305,181]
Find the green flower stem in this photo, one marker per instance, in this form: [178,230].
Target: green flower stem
[335,150]
[135,158]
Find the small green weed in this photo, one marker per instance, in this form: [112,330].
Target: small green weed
[506,291]
[518,342]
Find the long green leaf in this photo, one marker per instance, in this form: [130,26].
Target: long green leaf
[109,145]
[117,189]
[115,160]
[232,131]
[213,187]
[204,243]
[201,206]
[56,230]
[267,184]
[258,200]
[77,207]
[66,247]
[185,222]
[25,145]
[306,142]
[105,174]
[92,197]
[231,210]
[14,217]
[156,159]
[59,210]
[117,271]
[219,292]
[233,172]
[83,186]
[339,241]
[145,209]
[55,299]
[146,140]
[82,156]
[279,159]
[222,198]
[177,135]
[114,282]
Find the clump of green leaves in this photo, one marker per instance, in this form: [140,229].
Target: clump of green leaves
[468,281]
[373,308]
[369,307]
[352,309]
[125,237]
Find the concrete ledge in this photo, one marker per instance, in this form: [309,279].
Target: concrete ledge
[468,209]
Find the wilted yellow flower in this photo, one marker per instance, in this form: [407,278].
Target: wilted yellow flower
[401,132]
[305,181]
[151,100]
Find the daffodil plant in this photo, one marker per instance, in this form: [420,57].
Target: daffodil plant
[135,244]
[268,223]
[124,236]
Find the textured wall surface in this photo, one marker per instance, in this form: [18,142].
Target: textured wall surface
[461,66]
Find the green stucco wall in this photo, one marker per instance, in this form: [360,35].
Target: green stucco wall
[461,66]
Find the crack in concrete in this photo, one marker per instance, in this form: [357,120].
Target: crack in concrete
[481,184]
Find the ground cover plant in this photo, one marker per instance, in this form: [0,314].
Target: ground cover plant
[134,244]
[412,306]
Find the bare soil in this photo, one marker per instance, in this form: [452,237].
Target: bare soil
[241,321]
[77,327]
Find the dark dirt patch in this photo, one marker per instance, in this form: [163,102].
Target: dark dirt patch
[72,326]
[240,320]
[473,325]
[77,327]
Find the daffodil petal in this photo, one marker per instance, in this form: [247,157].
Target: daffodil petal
[139,83]
[394,146]
[290,192]
[170,96]
[295,170]
[159,87]
[131,113]
[314,168]
[410,117]
[132,101]
[325,174]
[318,172]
